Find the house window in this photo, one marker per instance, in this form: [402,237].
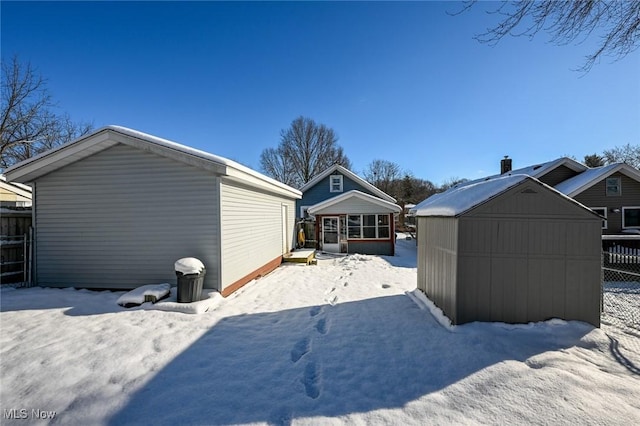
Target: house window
[368,226]
[613,187]
[602,211]
[335,183]
[630,217]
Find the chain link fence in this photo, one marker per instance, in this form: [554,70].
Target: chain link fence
[621,290]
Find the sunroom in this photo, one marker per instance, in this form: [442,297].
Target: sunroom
[355,222]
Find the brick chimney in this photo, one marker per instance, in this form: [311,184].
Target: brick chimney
[505,165]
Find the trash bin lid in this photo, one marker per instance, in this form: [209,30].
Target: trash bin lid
[189,265]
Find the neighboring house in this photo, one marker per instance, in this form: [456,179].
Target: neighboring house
[13,194]
[352,216]
[115,209]
[613,192]
[509,249]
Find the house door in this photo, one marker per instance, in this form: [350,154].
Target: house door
[330,233]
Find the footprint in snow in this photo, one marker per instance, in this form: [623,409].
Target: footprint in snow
[311,380]
[315,311]
[321,326]
[386,286]
[302,347]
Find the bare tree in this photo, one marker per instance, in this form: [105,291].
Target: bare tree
[306,149]
[28,123]
[593,160]
[617,22]
[383,174]
[628,154]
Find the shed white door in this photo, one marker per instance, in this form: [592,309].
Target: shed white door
[330,234]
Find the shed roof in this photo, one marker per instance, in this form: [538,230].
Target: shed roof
[459,200]
[386,205]
[354,177]
[106,137]
[585,180]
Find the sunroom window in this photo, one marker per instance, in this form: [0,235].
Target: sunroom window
[368,226]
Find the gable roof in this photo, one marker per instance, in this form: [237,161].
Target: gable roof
[391,207]
[354,177]
[585,180]
[538,170]
[459,200]
[17,188]
[106,137]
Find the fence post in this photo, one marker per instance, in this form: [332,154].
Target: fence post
[24,257]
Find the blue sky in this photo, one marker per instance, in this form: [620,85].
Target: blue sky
[403,81]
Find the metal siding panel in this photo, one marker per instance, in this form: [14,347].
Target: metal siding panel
[121,218]
[251,230]
[437,245]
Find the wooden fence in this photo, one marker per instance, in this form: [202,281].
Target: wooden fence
[15,247]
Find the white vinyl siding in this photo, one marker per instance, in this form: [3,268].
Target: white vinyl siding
[121,218]
[251,229]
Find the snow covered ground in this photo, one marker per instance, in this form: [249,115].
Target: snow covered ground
[348,341]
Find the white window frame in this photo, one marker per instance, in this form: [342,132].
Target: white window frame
[618,185]
[377,227]
[605,223]
[338,180]
[629,208]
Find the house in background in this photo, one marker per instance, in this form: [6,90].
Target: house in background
[612,191]
[13,194]
[509,249]
[351,215]
[115,209]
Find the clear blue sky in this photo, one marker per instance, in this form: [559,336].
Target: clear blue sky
[399,81]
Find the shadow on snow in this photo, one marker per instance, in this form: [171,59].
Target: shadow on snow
[326,361]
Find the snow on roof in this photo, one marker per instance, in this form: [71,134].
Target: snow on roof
[164,143]
[350,194]
[460,199]
[21,186]
[199,153]
[590,177]
[538,170]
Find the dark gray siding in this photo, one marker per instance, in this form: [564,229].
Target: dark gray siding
[121,218]
[371,247]
[437,261]
[557,175]
[320,192]
[528,254]
[596,197]
[533,240]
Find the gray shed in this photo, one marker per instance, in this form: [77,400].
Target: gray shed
[509,249]
[116,209]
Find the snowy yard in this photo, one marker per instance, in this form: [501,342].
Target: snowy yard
[348,341]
